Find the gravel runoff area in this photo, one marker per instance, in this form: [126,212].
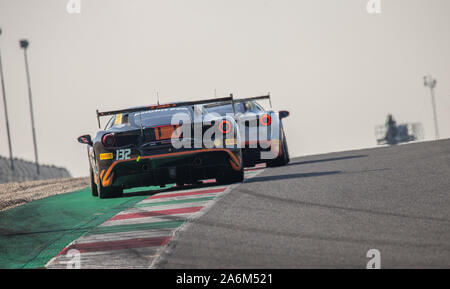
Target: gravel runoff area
[16,194]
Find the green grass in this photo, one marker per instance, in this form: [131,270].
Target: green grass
[32,234]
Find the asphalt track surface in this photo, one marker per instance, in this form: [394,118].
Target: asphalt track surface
[323,211]
[327,211]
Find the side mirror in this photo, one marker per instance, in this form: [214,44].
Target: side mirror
[283,113]
[85,139]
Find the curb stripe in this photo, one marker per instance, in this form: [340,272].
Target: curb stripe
[118,245]
[120,236]
[186,194]
[136,227]
[156,213]
[161,208]
[159,219]
[181,201]
[149,223]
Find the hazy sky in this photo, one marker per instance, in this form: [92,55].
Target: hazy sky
[338,69]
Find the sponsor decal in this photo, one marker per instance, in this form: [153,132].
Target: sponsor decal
[166,132]
[106,156]
[118,119]
[230,141]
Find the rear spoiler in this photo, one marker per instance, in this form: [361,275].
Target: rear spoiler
[154,107]
[240,100]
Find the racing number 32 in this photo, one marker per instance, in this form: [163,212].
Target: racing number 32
[123,154]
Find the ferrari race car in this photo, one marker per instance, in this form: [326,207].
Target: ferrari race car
[261,131]
[162,144]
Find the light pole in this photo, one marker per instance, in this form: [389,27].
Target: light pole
[24,44]
[6,111]
[430,82]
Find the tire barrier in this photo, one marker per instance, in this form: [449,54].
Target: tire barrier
[26,171]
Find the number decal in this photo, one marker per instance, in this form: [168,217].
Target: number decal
[123,154]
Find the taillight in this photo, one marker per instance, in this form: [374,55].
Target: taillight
[109,140]
[225,126]
[265,120]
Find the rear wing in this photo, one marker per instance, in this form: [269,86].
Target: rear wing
[239,100]
[154,107]
[219,102]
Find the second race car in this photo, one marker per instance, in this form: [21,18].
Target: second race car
[261,131]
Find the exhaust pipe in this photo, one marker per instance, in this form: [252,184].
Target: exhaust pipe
[173,172]
[197,161]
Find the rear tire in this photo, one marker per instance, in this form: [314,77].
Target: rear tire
[231,176]
[94,190]
[283,159]
[109,192]
[237,177]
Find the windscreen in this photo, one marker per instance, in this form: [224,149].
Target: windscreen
[158,117]
[227,108]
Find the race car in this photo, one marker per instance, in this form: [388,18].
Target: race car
[261,131]
[160,145]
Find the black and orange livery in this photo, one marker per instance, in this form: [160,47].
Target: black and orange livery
[135,149]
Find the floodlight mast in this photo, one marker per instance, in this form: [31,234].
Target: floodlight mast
[429,81]
[24,45]
[6,111]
